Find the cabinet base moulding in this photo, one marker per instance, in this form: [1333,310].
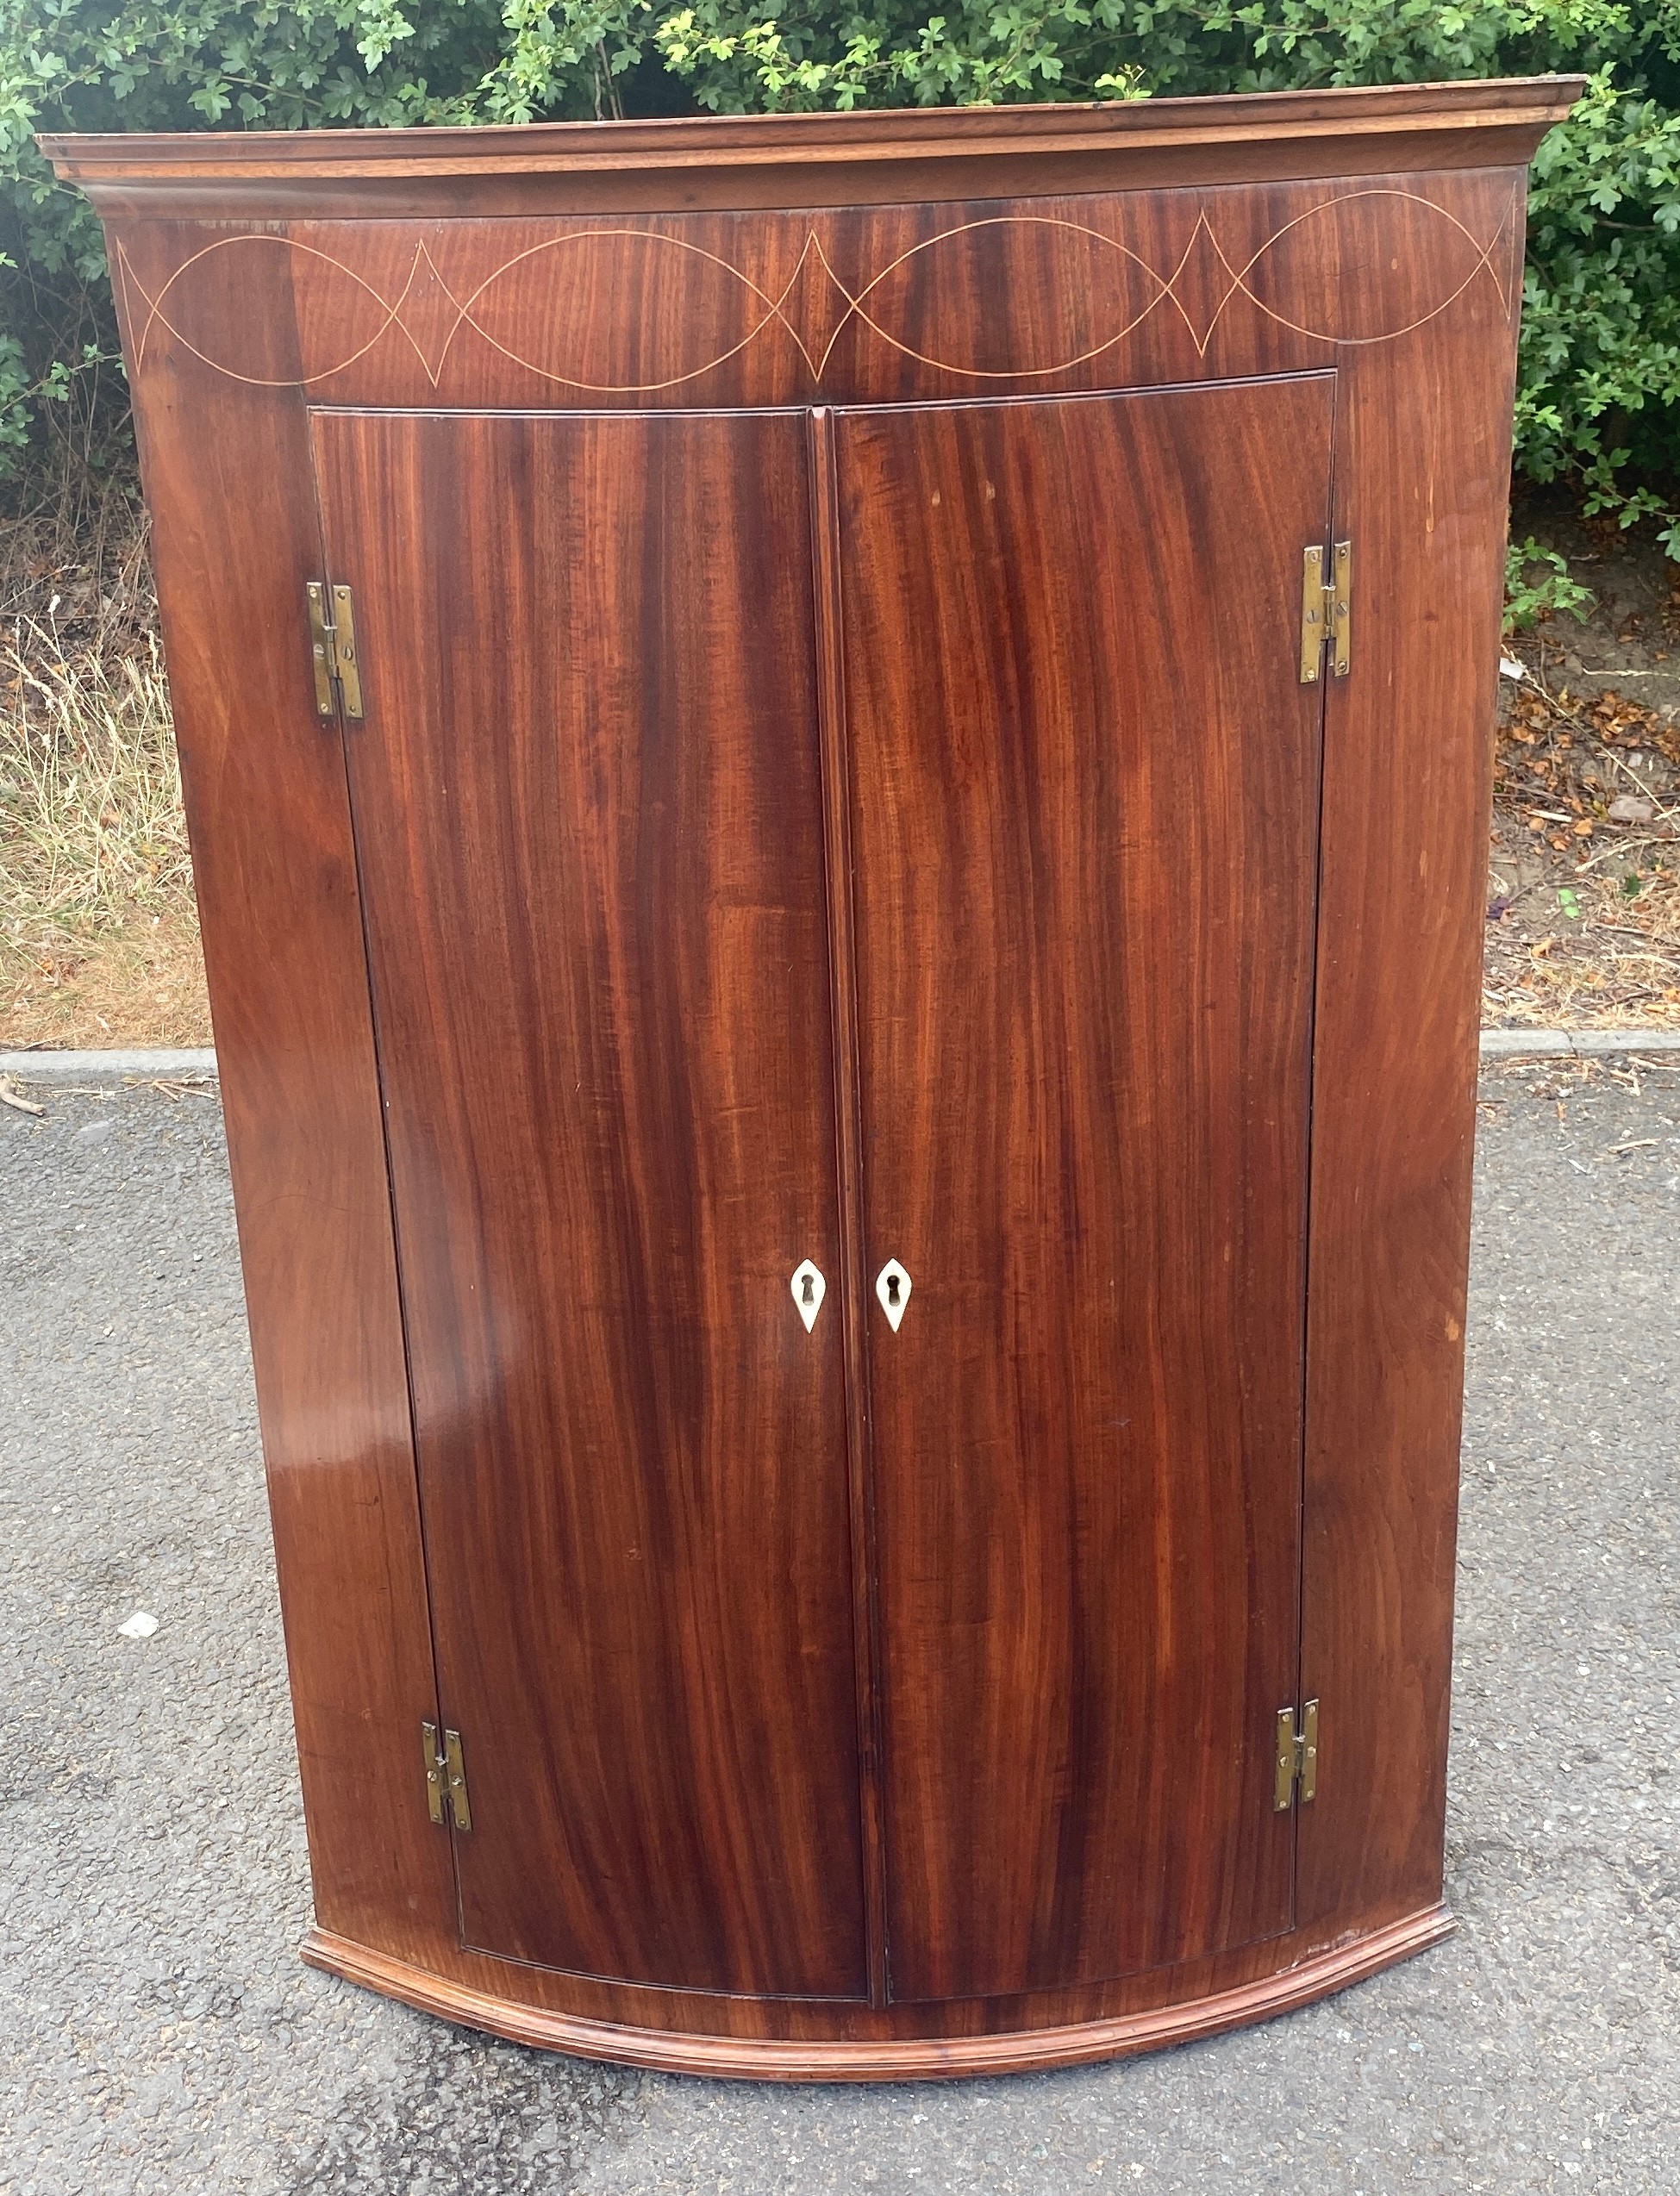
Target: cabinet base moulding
[888,2058]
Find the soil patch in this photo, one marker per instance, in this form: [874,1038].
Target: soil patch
[1583,889]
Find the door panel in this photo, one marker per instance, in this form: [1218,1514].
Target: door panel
[588,811]
[1085,785]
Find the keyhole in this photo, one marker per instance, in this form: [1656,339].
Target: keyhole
[807,1288]
[892,1287]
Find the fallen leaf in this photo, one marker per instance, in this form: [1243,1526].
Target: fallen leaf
[1628,808]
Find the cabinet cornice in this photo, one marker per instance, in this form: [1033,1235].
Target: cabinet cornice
[790,160]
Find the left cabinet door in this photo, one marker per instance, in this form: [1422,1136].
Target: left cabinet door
[587,798]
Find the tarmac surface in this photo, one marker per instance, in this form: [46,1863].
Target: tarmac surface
[158,2032]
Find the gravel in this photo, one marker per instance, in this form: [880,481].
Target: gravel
[158,2033]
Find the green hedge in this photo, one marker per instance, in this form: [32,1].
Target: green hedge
[1600,391]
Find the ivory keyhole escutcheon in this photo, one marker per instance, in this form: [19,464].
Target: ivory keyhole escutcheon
[809,1290]
[892,1286]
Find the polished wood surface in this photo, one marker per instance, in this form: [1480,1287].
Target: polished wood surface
[1084,783]
[873,305]
[590,827]
[275,297]
[227,471]
[1423,475]
[829,612]
[890,2059]
[775,161]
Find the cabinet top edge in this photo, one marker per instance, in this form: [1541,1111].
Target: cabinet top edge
[235,171]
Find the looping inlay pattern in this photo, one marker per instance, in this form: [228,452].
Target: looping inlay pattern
[1230,277]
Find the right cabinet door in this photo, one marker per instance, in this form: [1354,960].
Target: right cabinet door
[1084,787]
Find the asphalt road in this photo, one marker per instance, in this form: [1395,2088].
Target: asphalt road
[158,2033]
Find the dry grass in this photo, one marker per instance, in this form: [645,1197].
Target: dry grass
[98,929]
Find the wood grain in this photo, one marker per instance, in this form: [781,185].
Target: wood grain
[274,868]
[782,160]
[1423,476]
[893,2058]
[590,826]
[870,305]
[1085,782]
[696,734]
[829,619]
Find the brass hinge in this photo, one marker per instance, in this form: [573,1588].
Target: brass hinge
[1324,610]
[1297,1757]
[445,1777]
[337,675]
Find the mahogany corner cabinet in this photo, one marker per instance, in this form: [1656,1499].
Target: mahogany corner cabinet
[839,771]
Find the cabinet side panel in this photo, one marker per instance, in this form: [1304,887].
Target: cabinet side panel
[226,474]
[1423,473]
